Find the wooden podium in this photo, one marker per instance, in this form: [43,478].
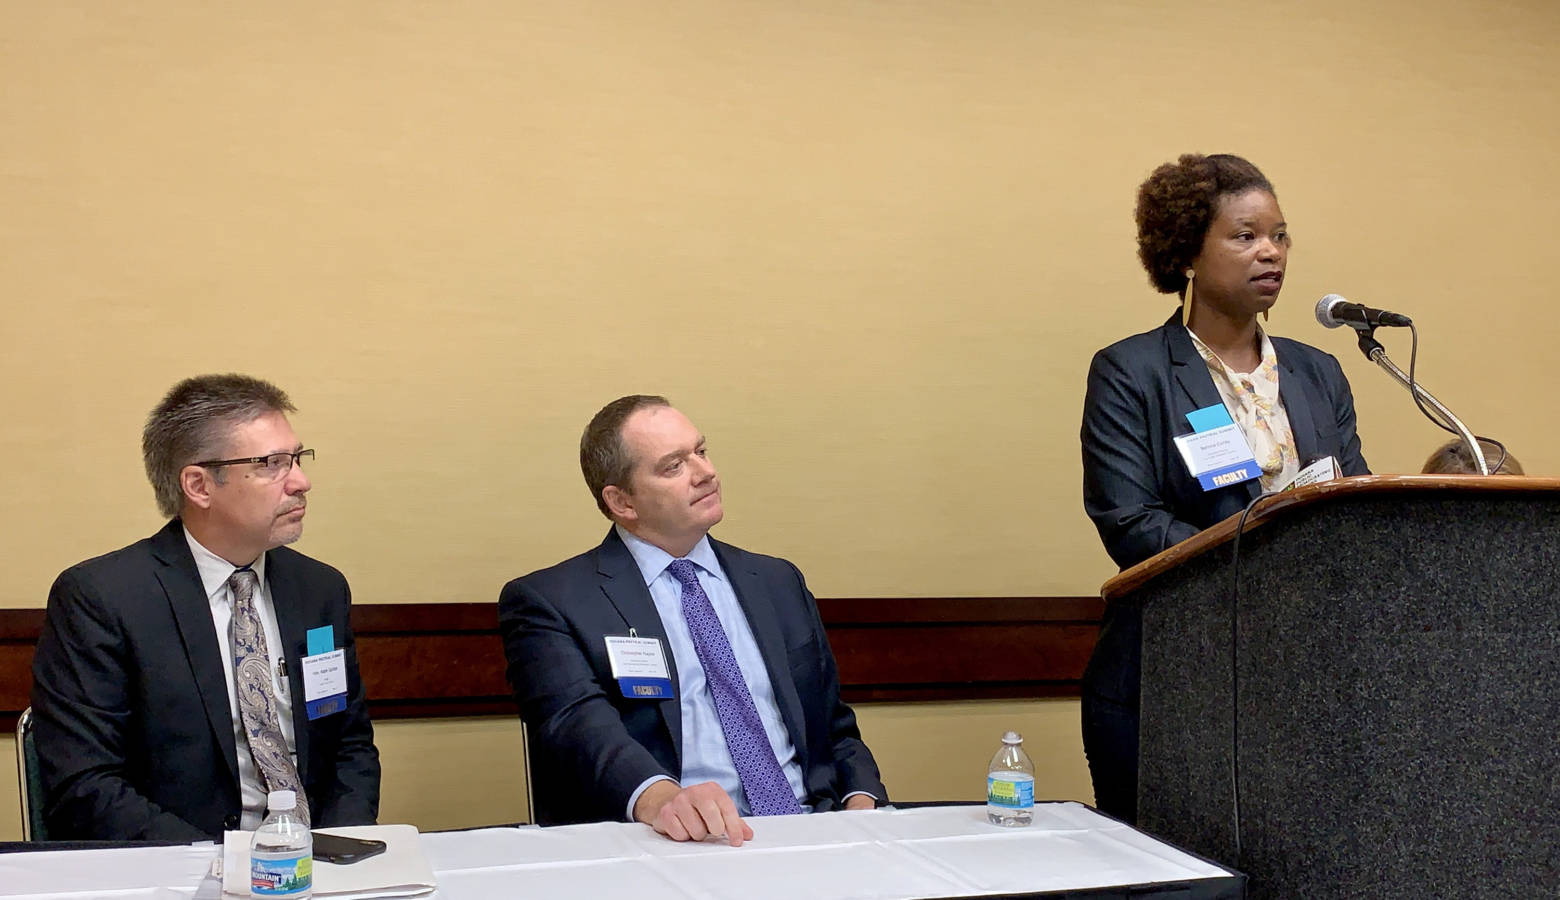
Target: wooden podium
[1378,713]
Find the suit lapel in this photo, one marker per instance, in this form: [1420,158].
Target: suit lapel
[1191,370]
[1191,373]
[1294,391]
[287,603]
[192,611]
[759,603]
[624,586]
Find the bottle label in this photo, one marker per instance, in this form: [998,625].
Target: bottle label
[1010,794]
[281,877]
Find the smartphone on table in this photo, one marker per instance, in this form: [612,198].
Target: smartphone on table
[335,848]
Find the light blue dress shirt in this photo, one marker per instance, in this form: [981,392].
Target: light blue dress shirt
[705,756]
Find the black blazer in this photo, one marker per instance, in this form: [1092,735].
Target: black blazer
[1137,488]
[133,725]
[591,747]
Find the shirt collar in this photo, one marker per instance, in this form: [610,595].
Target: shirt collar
[1268,367]
[214,570]
[652,560]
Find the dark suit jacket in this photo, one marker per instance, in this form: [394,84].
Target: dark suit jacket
[591,747]
[134,729]
[1137,488]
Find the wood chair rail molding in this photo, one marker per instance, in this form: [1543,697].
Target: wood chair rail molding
[1273,507]
[446,659]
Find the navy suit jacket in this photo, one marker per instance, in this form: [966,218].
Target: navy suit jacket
[590,747]
[1136,487]
[133,725]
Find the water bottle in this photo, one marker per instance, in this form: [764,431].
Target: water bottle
[1010,784]
[281,856]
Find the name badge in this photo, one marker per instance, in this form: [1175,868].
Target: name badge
[1216,452]
[324,674]
[639,665]
[1324,469]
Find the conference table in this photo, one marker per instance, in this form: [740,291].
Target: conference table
[1070,850]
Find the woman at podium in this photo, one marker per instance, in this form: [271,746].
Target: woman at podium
[1185,424]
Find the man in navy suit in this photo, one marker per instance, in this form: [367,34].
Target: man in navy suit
[746,718]
[146,729]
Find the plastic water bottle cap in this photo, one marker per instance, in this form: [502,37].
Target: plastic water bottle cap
[1012,737]
[280,800]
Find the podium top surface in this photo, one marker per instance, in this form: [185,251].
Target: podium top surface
[1279,505]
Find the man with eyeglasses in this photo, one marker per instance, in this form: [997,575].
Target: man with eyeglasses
[180,679]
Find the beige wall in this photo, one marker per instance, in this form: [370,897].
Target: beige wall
[870,247]
[451,773]
[457,773]
[939,751]
[927,751]
[10,791]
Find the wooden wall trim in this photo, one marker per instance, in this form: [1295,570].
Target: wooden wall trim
[445,659]
[18,633]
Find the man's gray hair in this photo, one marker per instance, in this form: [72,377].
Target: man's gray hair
[193,423]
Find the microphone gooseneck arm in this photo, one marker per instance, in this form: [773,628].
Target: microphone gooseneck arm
[1378,354]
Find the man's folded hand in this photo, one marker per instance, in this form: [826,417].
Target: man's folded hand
[691,813]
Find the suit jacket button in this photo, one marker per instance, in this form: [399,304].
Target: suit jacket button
[230,823]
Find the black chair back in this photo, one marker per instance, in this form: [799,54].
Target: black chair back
[33,828]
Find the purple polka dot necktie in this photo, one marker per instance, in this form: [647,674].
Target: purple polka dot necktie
[768,793]
[256,699]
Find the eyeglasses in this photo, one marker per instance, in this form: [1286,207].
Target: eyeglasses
[275,465]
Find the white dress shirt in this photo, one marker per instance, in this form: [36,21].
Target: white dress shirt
[214,574]
[705,756]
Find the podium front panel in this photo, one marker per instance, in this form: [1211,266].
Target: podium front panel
[1387,688]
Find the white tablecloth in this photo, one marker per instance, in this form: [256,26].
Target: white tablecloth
[901,854]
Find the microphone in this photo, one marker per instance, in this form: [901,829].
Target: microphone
[1332,311]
